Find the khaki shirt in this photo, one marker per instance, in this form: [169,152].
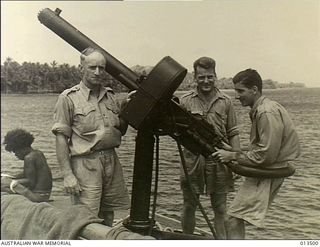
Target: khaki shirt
[90,123]
[219,113]
[273,137]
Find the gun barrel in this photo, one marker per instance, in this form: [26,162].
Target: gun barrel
[53,21]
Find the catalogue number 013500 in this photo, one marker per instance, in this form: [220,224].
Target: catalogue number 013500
[309,242]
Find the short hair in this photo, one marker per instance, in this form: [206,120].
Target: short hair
[206,63]
[86,52]
[249,78]
[17,139]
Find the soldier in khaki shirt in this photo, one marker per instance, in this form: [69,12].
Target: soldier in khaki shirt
[205,174]
[88,130]
[274,143]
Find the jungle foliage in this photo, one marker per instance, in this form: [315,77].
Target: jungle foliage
[30,77]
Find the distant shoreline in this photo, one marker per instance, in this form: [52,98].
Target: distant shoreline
[178,91]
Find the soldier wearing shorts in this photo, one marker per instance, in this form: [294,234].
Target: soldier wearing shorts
[88,130]
[206,175]
[273,143]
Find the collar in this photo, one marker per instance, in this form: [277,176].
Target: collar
[86,91]
[255,106]
[218,94]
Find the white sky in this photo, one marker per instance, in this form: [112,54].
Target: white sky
[279,38]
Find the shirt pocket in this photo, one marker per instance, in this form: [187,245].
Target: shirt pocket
[222,117]
[112,111]
[198,114]
[220,120]
[112,105]
[85,119]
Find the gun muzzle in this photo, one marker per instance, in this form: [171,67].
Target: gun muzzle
[53,21]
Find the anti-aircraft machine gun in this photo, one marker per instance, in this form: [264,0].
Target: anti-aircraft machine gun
[152,111]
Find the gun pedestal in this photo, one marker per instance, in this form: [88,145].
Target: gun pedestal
[144,113]
[141,185]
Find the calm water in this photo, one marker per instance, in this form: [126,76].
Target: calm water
[295,214]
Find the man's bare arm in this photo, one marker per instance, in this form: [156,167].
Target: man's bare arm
[63,155]
[235,143]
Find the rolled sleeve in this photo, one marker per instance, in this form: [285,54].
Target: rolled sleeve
[60,128]
[233,131]
[62,116]
[266,150]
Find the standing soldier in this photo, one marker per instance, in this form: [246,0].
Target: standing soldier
[88,130]
[214,106]
[274,142]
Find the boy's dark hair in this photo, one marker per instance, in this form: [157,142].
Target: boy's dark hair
[17,139]
[206,63]
[249,78]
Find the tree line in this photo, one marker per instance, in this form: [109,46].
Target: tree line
[30,77]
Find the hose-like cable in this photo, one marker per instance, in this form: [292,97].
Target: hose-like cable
[192,191]
[153,214]
[183,162]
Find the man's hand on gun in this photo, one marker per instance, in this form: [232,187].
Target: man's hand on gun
[126,100]
[225,154]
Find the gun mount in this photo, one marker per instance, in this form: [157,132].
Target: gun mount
[152,104]
[151,111]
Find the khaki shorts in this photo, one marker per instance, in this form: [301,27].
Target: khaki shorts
[253,199]
[101,179]
[208,176]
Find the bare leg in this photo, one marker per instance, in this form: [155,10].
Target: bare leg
[188,218]
[219,204]
[34,197]
[108,217]
[235,229]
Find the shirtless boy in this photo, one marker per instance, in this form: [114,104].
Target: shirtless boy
[35,182]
